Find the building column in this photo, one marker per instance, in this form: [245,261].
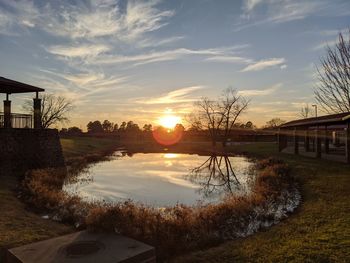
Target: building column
[326,140]
[7,112]
[347,142]
[37,112]
[296,141]
[318,143]
[307,140]
[279,140]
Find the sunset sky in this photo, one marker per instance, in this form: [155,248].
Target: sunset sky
[134,60]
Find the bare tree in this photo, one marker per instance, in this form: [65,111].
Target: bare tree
[274,123]
[218,116]
[333,90]
[54,109]
[305,112]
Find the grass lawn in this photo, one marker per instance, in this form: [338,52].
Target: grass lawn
[319,231]
[18,225]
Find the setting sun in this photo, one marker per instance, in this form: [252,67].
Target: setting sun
[169,120]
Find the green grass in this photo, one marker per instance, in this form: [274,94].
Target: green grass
[80,146]
[319,231]
[18,224]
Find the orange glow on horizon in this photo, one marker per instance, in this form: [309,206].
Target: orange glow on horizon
[169,120]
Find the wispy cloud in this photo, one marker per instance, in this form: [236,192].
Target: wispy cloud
[259,12]
[262,64]
[176,96]
[90,20]
[263,92]
[159,56]
[230,59]
[81,51]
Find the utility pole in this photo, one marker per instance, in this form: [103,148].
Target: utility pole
[315,106]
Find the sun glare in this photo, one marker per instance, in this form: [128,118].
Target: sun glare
[169,120]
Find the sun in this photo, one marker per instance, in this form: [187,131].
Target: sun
[169,120]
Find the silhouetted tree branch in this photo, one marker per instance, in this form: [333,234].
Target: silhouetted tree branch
[54,109]
[333,90]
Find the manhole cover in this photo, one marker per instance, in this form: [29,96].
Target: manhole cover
[83,248]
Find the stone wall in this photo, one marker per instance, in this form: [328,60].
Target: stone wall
[24,149]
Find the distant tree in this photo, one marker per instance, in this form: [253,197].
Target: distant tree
[147,128]
[333,90]
[94,127]
[249,125]
[54,109]
[74,131]
[131,127]
[179,127]
[219,116]
[122,126]
[305,112]
[274,123]
[196,125]
[107,126]
[63,131]
[115,127]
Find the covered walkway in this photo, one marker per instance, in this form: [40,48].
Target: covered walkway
[321,137]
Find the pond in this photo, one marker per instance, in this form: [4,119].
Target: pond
[163,179]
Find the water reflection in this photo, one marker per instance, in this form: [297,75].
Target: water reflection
[216,177]
[163,179]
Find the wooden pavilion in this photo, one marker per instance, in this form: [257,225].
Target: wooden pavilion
[13,120]
[321,137]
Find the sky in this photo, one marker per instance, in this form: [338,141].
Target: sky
[134,60]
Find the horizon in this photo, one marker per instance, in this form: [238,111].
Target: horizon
[138,60]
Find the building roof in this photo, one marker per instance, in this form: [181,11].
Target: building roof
[322,120]
[11,86]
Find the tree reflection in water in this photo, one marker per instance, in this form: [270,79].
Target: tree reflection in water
[216,177]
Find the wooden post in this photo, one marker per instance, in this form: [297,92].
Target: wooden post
[296,141]
[347,142]
[326,140]
[307,140]
[37,112]
[7,112]
[318,143]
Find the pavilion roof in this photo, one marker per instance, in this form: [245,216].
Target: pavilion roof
[322,120]
[9,86]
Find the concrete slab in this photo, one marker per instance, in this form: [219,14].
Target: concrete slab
[84,247]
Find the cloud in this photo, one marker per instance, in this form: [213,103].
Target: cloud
[176,96]
[91,20]
[159,42]
[249,5]
[325,44]
[230,59]
[159,56]
[255,92]
[90,81]
[262,64]
[81,51]
[257,12]
[24,15]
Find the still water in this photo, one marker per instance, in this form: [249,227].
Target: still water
[163,179]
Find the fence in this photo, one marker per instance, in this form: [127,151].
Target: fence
[18,120]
